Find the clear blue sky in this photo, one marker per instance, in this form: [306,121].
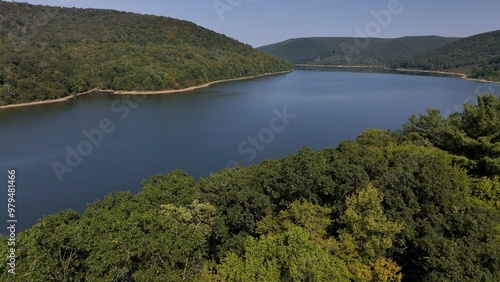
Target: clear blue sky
[261,22]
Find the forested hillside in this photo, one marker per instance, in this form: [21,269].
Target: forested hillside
[50,52]
[419,204]
[477,56]
[353,51]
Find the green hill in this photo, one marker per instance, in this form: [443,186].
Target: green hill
[477,56]
[51,52]
[353,51]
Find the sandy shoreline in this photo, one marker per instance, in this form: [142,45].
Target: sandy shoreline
[338,66]
[456,74]
[63,99]
[120,92]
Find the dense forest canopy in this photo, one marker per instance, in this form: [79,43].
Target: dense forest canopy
[419,204]
[353,51]
[477,56]
[51,52]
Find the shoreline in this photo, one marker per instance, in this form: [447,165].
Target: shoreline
[452,74]
[63,99]
[456,74]
[122,92]
[205,85]
[339,66]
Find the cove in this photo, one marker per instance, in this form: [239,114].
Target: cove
[119,142]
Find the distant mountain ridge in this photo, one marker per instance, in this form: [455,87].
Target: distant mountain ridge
[476,56]
[353,51]
[52,52]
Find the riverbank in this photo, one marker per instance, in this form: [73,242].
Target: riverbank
[429,72]
[58,100]
[339,66]
[121,92]
[457,74]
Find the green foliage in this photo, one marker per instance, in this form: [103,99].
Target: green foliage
[362,242]
[486,192]
[312,218]
[353,51]
[53,250]
[366,223]
[414,205]
[365,237]
[51,52]
[375,137]
[175,187]
[478,56]
[473,135]
[141,241]
[288,256]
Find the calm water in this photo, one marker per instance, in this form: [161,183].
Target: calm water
[101,143]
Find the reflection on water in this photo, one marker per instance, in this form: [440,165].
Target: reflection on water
[199,131]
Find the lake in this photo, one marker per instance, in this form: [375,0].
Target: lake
[69,154]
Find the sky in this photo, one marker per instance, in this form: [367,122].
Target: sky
[262,22]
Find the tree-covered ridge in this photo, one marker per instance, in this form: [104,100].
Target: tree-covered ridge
[50,52]
[353,51]
[420,204]
[478,56]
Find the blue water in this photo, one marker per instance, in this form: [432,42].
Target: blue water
[134,137]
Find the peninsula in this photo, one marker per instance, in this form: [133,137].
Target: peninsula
[51,54]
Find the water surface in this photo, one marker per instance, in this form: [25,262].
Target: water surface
[200,131]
